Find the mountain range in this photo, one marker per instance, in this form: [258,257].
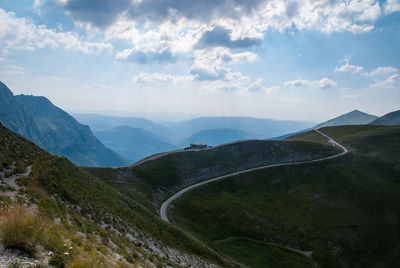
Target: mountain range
[129,139]
[260,128]
[355,117]
[37,119]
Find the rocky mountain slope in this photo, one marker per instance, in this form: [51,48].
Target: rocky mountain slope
[37,119]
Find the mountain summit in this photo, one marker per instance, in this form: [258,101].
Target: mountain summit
[37,119]
[355,117]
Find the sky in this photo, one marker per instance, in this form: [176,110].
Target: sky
[283,59]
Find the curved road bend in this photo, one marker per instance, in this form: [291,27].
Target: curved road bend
[164,206]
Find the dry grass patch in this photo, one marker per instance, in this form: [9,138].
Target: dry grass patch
[21,228]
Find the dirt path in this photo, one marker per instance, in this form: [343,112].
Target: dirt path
[12,183]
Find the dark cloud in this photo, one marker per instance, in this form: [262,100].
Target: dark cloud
[292,9]
[220,36]
[99,13]
[103,13]
[140,57]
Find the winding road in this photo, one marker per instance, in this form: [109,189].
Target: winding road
[164,206]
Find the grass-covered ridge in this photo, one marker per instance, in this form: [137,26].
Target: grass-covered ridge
[154,181]
[107,221]
[344,210]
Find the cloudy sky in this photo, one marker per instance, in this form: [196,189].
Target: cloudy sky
[282,59]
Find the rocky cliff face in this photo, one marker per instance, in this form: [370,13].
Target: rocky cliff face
[37,119]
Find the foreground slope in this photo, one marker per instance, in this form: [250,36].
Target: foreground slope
[110,222]
[389,119]
[352,118]
[344,210]
[37,119]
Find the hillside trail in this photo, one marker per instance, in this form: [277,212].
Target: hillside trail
[11,182]
[164,206]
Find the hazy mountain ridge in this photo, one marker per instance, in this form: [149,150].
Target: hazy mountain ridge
[263,128]
[133,143]
[392,118]
[37,119]
[215,137]
[98,122]
[355,117]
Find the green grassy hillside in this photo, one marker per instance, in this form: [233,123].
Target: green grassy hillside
[110,222]
[154,181]
[344,210]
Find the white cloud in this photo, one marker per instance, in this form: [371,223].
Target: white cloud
[390,82]
[392,6]
[21,33]
[212,64]
[349,68]
[326,83]
[236,82]
[381,71]
[159,77]
[323,83]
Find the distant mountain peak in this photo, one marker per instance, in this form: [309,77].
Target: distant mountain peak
[5,92]
[355,117]
[356,112]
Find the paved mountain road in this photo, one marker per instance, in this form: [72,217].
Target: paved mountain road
[164,206]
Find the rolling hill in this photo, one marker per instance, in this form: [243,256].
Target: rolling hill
[392,118]
[215,137]
[133,143]
[154,180]
[263,128]
[352,118]
[344,210]
[37,119]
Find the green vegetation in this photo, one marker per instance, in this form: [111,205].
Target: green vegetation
[309,136]
[150,183]
[244,249]
[344,210]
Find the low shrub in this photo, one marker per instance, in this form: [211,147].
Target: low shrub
[21,229]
